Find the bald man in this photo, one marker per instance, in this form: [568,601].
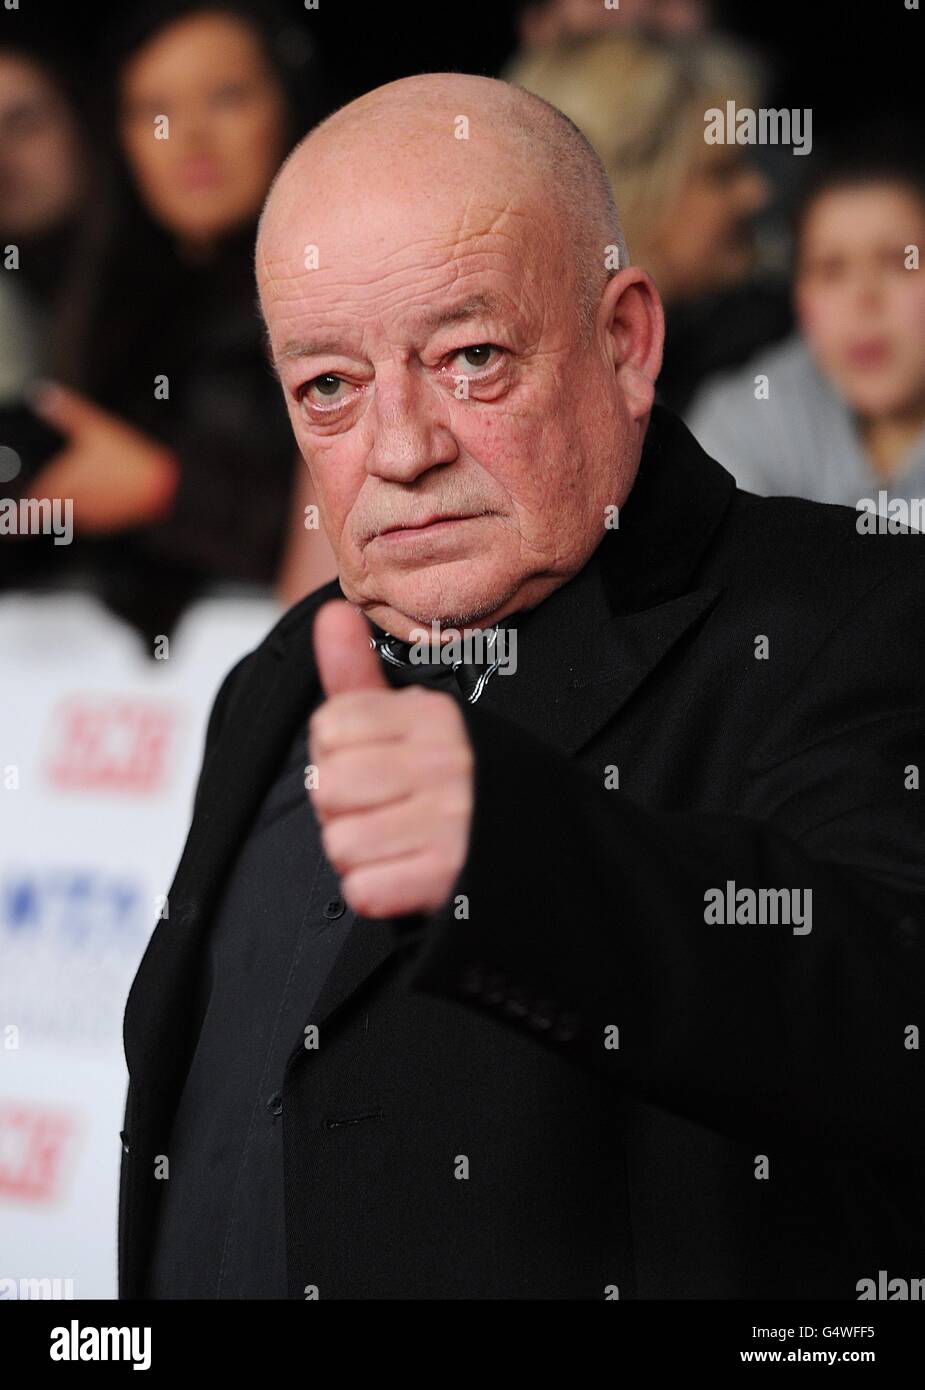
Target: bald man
[549,924]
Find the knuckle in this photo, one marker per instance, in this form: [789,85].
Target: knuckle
[318,727]
[335,840]
[365,895]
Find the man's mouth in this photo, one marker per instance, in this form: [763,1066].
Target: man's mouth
[426,526]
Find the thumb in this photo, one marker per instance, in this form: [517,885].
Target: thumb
[346,660]
[65,410]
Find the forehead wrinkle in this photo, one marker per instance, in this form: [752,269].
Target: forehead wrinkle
[439,242]
[455,272]
[436,244]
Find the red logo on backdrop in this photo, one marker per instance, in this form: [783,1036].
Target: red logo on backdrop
[106,744]
[33,1144]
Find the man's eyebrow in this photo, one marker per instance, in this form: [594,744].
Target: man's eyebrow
[309,347]
[475,306]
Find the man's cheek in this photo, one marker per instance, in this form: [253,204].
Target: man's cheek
[337,482]
[502,445]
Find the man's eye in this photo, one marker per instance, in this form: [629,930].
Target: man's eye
[322,388]
[477,356]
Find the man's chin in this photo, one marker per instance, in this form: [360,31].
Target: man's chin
[425,602]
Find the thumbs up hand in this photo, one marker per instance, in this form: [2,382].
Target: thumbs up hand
[395,776]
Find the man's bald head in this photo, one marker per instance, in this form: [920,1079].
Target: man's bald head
[570,180]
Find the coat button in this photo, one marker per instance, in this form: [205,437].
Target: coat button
[275,1104]
[334,909]
[124,1138]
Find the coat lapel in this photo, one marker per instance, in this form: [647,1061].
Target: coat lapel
[264,710]
[578,662]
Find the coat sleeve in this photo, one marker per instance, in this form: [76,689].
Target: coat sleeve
[587,912]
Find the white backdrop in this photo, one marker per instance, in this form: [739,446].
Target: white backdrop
[99,750]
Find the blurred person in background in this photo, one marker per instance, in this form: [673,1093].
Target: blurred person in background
[546,21]
[178,454]
[842,413]
[45,171]
[53,216]
[687,206]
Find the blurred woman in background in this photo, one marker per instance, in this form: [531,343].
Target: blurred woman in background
[687,207]
[45,177]
[842,413]
[179,454]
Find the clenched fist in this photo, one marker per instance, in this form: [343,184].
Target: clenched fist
[395,776]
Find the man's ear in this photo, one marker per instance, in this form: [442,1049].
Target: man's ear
[633,321]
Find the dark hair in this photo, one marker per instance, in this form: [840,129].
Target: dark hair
[886,151]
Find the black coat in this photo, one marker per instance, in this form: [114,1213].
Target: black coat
[760,1129]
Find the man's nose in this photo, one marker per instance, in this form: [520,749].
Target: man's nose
[411,432]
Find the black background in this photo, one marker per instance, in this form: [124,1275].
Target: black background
[846,61]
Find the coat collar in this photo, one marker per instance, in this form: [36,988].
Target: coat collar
[581,655]
[588,647]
